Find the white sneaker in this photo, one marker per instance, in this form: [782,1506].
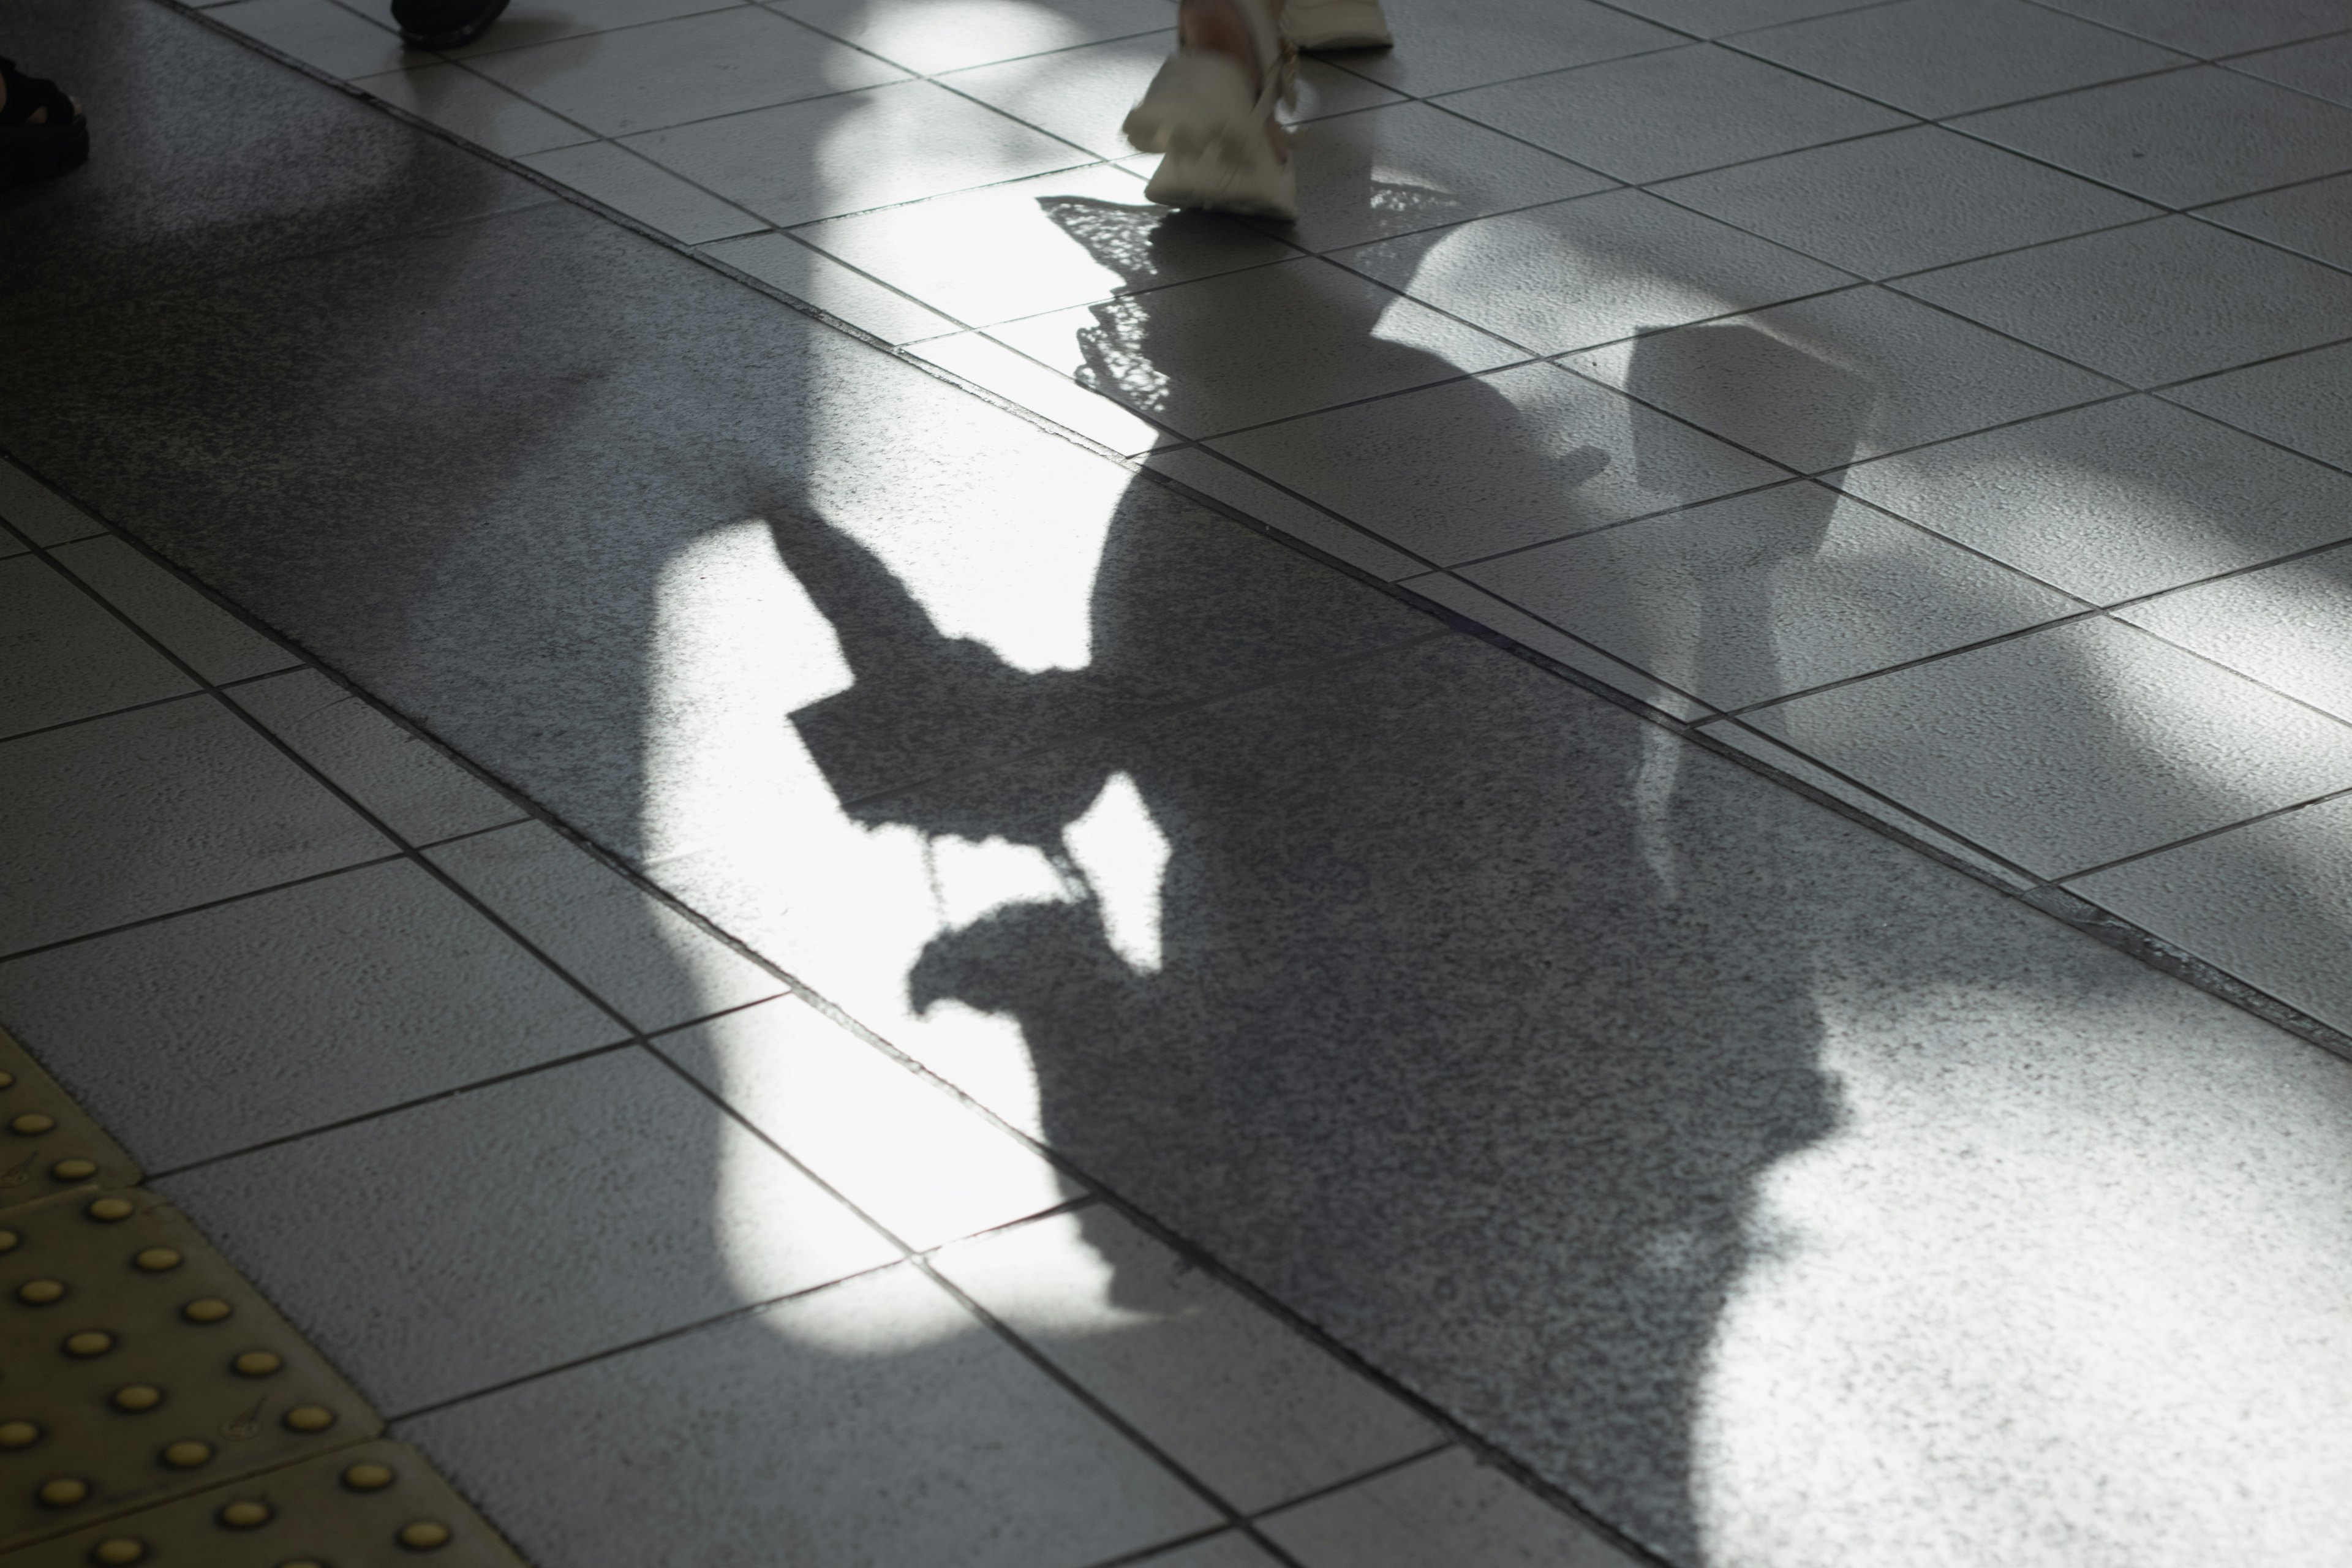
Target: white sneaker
[1336,24]
[1215,127]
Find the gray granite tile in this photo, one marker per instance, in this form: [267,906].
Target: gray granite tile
[1495,462]
[1239,1398]
[1410,166]
[610,173]
[929,38]
[39,513]
[2270,902]
[1541,636]
[2072,747]
[2153,303]
[244,163]
[63,657]
[1449,48]
[817,279]
[2114,501]
[2304,400]
[1744,600]
[689,67]
[644,960]
[319,33]
[627,1206]
[2180,138]
[2322,68]
[1714,18]
[989,365]
[1082,95]
[926,1167]
[1445,1508]
[874,1422]
[140,814]
[2285,626]
[1237,488]
[1249,347]
[899,142]
[1904,201]
[484,113]
[2314,219]
[1675,111]
[1935,58]
[1044,244]
[1576,273]
[1819,382]
[529,21]
[216,645]
[2212,29]
[183,1035]
[414,787]
[1230,1549]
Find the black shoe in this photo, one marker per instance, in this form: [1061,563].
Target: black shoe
[35,149]
[443,24]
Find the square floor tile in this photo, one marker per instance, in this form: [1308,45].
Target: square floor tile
[2204,29]
[899,1146]
[2314,219]
[2181,138]
[1444,48]
[140,814]
[419,792]
[1714,18]
[198,1036]
[2322,68]
[1389,171]
[321,34]
[39,513]
[1083,95]
[63,656]
[1230,1549]
[217,643]
[931,35]
[1935,58]
[1907,200]
[1817,382]
[2289,626]
[1248,347]
[528,22]
[1237,1397]
[800,162]
[1445,1508]
[818,279]
[873,1423]
[1674,112]
[654,197]
[1591,270]
[2153,303]
[2072,747]
[1044,244]
[2304,400]
[2114,501]
[2270,902]
[482,112]
[457,1245]
[1478,605]
[1048,393]
[650,963]
[691,68]
[1495,462]
[1212,476]
[1743,600]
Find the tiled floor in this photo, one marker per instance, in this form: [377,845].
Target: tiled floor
[1939,402]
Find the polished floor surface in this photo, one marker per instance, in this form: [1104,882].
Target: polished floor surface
[1091,892]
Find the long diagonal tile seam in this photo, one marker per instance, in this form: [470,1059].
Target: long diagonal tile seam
[154,1408]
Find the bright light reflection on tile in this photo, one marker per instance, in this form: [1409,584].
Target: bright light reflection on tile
[1124,854]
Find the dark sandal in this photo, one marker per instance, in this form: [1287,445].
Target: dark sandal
[34,150]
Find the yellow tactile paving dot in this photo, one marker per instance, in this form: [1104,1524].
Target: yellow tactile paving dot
[375,1506]
[138,1366]
[46,1141]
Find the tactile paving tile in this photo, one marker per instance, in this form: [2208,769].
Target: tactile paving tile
[46,1141]
[375,1506]
[140,1366]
